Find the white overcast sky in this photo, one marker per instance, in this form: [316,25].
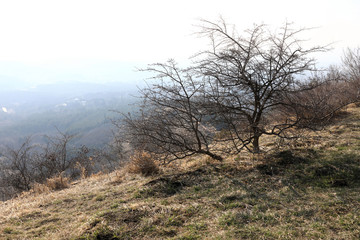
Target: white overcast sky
[68,38]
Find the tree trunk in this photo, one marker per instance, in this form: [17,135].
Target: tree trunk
[212,155]
[216,157]
[255,143]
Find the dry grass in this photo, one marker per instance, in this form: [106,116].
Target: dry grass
[52,184]
[58,182]
[304,192]
[142,162]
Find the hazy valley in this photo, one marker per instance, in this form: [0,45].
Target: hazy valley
[85,109]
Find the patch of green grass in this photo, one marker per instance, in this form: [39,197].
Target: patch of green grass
[57,202]
[342,147]
[165,202]
[8,230]
[101,233]
[350,222]
[144,193]
[191,211]
[115,205]
[174,221]
[197,227]
[100,198]
[235,219]
[332,169]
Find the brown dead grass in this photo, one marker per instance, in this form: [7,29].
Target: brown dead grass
[142,162]
[58,182]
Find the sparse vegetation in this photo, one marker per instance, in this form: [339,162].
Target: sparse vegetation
[209,118]
[298,192]
[51,166]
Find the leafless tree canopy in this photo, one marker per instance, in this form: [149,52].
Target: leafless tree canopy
[351,71]
[19,172]
[172,121]
[351,62]
[250,75]
[57,155]
[249,84]
[335,88]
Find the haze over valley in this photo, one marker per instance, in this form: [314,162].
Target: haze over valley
[81,108]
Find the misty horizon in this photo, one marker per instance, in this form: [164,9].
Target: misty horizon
[95,41]
[17,75]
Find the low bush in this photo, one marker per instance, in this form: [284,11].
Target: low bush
[52,184]
[142,162]
[57,183]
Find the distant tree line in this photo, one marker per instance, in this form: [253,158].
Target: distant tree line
[246,85]
[28,164]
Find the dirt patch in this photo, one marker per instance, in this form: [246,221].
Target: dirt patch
[129,217]
[170,185]
[33,215]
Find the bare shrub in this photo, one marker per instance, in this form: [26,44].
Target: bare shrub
[39,188]
[339,87]
[351,64]
[83,171]
[351,71]
[58,182]
[24,167]
[142,162]
[316,107]
[52,184]
[57,156]
[18,167]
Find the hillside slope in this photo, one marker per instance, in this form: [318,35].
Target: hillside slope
[310,190]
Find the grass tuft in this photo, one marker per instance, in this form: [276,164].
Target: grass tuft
[143,163]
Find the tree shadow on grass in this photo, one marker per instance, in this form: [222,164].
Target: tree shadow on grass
[312,168]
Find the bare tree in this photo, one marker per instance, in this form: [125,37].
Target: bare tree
[57,156]
[315,107]
[21,167]
[115,153]
[249,77]
[246,85]
[351,62]
[335,88]
[18,169]
[351,70]
[29,163]
[172,122]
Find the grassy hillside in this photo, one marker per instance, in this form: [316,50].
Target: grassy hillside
[307,190]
